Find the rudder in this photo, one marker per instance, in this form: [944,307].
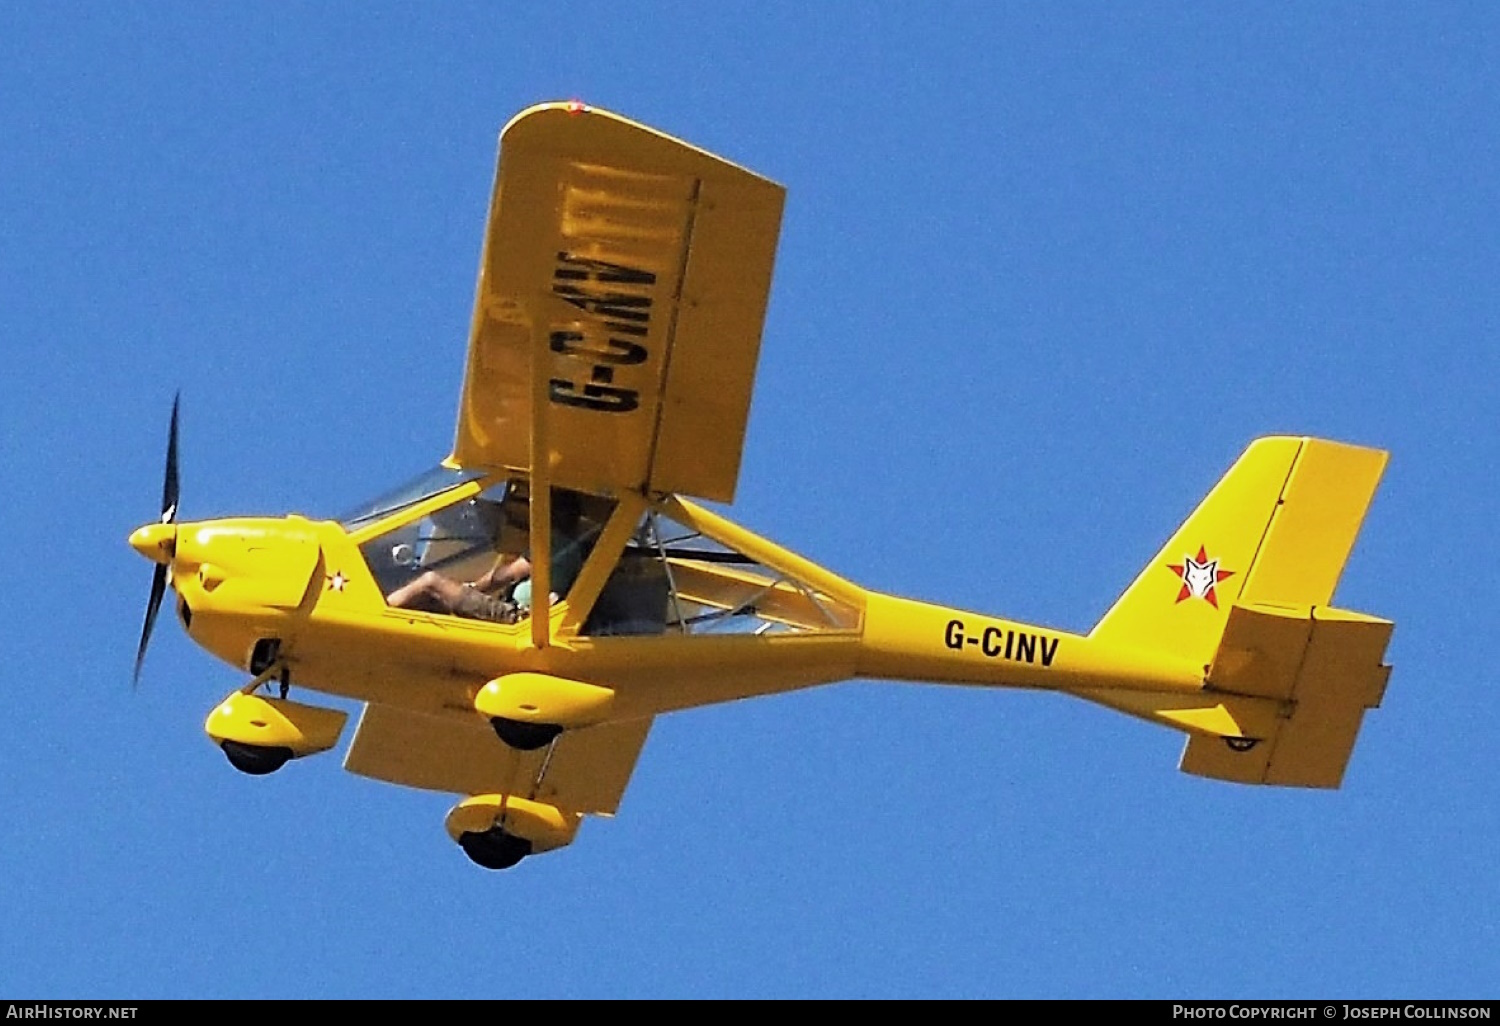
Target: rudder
[1315,524]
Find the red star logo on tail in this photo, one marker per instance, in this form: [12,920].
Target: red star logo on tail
[1199,577]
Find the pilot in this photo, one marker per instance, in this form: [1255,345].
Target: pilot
[484,598]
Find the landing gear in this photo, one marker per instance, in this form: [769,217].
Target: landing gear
[256,760]
[525,737]
[260,734]
[494,848]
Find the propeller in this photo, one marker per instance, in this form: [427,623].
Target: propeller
[163,541]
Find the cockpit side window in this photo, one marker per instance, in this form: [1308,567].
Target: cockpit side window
[676,579]
[472,558]
[460,541]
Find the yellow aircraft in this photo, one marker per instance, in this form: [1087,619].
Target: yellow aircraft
[615,335]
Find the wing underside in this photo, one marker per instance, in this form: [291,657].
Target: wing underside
[624,283]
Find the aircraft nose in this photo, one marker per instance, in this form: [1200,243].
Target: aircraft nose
[155,541]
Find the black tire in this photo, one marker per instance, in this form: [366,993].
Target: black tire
[494,849]
[524,737]
[256,760]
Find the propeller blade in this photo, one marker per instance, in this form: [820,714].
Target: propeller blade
[168,516]
[169,485]
[153,606]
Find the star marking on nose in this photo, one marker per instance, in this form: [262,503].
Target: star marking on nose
[337,581]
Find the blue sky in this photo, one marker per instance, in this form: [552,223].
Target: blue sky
[1045,270]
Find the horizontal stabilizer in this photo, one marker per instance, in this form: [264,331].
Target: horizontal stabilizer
[1322,665]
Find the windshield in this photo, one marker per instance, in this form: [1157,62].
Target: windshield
[438,479]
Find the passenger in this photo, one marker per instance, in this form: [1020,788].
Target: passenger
[485,597]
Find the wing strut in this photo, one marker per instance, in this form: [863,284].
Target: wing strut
[541,479]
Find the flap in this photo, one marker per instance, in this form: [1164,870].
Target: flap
[625,278]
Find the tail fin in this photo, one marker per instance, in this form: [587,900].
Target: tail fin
[1276,529]
[1243,589]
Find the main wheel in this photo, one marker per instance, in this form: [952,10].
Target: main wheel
[524,737]
[494,849]
[256,760]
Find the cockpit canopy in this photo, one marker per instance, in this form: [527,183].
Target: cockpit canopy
[425,485]
[671,577]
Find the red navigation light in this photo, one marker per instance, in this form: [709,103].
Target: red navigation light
[576,107]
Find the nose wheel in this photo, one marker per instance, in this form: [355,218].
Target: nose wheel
[259,734]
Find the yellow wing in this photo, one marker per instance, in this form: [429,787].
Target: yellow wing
[625,277]
[586,772]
